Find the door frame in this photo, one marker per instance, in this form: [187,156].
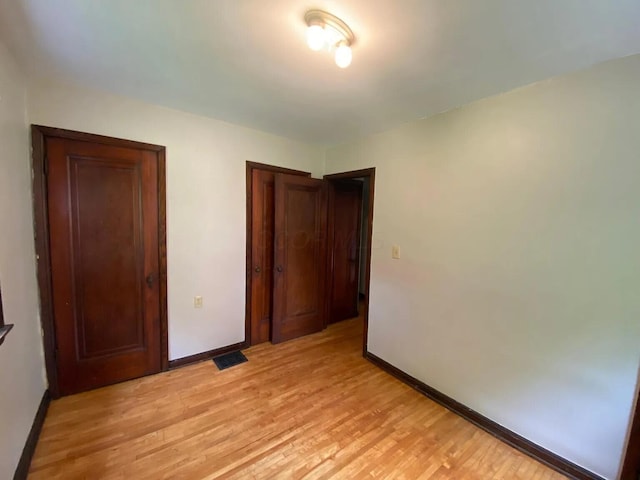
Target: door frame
[251,166]
[630,460]
[39,135]
[364,173]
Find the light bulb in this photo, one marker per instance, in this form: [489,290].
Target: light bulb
[315,37]
[343,55]
[331,36]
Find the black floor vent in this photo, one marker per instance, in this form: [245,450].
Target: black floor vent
[229,360]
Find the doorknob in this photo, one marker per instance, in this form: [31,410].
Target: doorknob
[257,269]
[150,280]
[279,268]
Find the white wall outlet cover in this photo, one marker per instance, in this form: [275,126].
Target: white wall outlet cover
[197,301]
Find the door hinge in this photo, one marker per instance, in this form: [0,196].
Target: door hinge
[45,165]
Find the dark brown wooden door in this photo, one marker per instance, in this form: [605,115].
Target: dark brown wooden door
[346,214]
[103,234]
[631,464]
[262,224]
[300,257]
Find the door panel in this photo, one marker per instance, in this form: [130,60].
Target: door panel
[92,182]
[346,211]
[262,218]
[300,257]
[103,223]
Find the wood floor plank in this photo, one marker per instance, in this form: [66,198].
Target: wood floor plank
[311,408]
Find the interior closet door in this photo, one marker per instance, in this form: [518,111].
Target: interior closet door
[299,257]
[103,213]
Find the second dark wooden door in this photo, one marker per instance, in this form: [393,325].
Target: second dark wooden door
[631,464]
[346,211]
[103,234]
[262,224]
[300,257]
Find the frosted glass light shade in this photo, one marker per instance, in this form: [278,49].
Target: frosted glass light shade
[343,56]
[327,32]
[315,37]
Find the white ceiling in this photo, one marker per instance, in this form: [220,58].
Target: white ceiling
[246,61]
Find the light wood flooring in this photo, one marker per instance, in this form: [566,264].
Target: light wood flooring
[309,408]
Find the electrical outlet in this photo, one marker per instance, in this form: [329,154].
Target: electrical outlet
[197,301]
[395,252]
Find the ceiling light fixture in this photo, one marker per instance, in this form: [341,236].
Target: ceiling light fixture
[329,32]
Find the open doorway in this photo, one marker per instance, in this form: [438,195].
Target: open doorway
[350,229]
[344,217]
